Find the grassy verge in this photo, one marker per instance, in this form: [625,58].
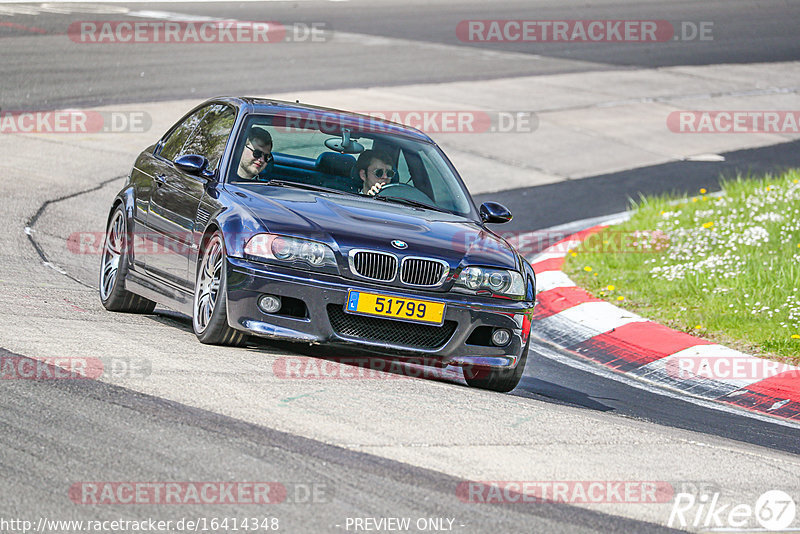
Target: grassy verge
[726,268]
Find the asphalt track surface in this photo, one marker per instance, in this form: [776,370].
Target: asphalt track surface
[36,77]
[57,432]
[323,481]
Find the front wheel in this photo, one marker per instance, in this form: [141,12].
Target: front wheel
[209,309]
[502,380]
[114,268]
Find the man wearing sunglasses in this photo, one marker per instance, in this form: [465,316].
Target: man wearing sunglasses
[375,170]
[256,155]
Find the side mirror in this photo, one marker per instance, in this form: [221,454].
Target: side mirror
[194,164]
[492,212]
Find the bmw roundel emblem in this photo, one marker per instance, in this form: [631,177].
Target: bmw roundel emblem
[399,244]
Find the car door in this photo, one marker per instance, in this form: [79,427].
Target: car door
[151,174]
[177,195]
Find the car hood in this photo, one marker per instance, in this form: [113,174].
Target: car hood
[349,221]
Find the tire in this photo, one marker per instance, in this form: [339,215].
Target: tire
[209,307]
[502,380]
[114,269]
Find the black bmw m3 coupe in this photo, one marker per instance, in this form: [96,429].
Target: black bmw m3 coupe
[294,222]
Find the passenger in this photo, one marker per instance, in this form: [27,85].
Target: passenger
[375,170]
[256,155]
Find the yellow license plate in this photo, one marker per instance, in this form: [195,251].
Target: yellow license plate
[394,307]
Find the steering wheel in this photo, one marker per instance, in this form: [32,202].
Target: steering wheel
[408,192]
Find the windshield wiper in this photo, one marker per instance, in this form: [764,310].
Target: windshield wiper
[309,187]
[415,203]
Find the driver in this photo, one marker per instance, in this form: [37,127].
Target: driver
[256,155]
[375,170]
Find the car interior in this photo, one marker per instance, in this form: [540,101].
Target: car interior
[328,159]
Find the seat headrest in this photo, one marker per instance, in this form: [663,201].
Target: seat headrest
[266,172]
[335,163]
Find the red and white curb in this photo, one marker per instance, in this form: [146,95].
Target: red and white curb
[570,317]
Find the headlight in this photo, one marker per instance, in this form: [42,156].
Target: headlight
[291,250]
[498,281]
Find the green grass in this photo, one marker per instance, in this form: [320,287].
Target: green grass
[725,268]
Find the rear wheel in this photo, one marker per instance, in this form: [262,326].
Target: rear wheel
[502,380]
[114,268]
[209,310]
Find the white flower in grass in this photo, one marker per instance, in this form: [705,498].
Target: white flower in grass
[754,236]
[703,214]
[769,217]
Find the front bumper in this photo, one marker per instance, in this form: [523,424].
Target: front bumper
[325,296]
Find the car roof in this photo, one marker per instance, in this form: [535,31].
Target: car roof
[271,106]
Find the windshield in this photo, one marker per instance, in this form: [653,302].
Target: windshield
[345,154]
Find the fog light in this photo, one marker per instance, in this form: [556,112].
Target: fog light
[501,337]
[269,303]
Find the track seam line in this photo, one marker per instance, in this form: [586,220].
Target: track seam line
[29,226]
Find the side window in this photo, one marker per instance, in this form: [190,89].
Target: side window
[176,140]
[402,168]
[444,192]
[211,135]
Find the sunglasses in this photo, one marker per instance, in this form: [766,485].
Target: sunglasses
[258,154]
[379,173]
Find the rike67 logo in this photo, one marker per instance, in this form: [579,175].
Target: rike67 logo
[774,510]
